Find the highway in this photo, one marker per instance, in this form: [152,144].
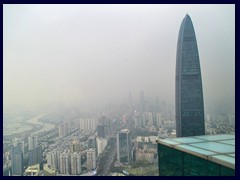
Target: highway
[110,158]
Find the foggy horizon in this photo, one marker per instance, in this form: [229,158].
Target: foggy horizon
[98,54]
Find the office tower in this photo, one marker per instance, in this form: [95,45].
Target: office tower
[101,131]
[101,145]
[142,102]
[63,129]
[35,155]
[20,142]
[189,94]
[91,142]
[75,146]
[91,159]
[76,163]
[124,146]
[32,142]
[17,160]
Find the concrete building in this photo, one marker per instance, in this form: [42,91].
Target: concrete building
[32,142]
[52,159]
[75,146]
[76,167]
[91,159]
[48,170]
[32,170]
[88,124]
[145,156]
[101,145]
[159,120]
[64,163]
[63,129]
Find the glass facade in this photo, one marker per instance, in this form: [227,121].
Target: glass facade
[184,156]
[123,146]
[189,94]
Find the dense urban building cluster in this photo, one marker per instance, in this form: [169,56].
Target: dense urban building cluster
[127,139]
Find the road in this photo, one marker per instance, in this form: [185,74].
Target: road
[110,158]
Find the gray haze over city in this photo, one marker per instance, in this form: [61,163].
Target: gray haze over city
[98,54]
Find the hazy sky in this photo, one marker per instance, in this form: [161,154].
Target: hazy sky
[100,53]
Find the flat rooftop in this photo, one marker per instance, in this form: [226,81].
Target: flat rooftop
[218,148]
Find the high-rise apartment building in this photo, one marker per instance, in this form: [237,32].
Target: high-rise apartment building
[63,129]
[88,124]
[91,159]
[101,145]
[52,159]
[76,163]
[189,93]
[32,142]
[75,146]
[64,163]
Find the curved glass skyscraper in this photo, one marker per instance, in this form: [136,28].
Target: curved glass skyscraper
[189,94]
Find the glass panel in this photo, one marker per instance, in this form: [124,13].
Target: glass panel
[216,137]
[230,142]
[187,140]
[168,141]
[216,147]
[197,150]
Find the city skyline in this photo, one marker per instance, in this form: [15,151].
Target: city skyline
[96,54]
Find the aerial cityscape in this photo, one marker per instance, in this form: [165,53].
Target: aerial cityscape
[119,90]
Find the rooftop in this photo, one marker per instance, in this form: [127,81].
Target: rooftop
[216,148]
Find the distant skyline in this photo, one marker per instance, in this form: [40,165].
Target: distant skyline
[97,54]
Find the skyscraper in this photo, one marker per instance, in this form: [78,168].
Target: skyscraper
[75,146]
[63,129]
[76,163]
[101,145]
[32,142]
[35,155]
[189,94]
[91,159]
[17,160]
[123,146]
